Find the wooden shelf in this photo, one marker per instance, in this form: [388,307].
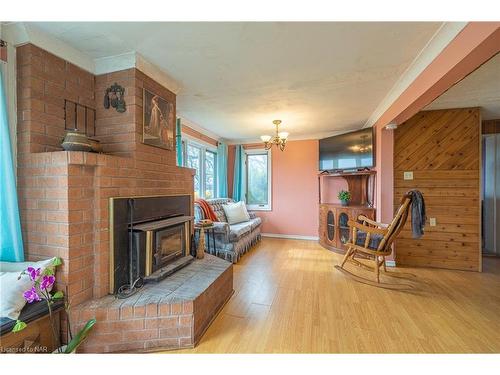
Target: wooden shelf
[338,232]
[361,185]
[344,174]
[351,206]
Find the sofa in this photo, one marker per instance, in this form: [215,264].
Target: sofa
[231,241]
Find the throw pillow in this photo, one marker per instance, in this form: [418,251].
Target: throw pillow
[236,212]
[12,288]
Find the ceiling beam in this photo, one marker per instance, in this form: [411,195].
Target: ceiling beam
[476,43]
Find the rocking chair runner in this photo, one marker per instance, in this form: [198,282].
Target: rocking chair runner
[373,240]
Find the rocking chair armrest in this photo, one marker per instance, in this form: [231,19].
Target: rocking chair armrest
[372,222]
[366,228]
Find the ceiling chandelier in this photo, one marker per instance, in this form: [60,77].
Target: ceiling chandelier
[279,138]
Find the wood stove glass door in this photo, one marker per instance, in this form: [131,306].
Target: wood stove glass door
[169,244]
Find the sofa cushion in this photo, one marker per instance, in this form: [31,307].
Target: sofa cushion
[236,212]
[13,285]
[236,231]
[374,240]
[255,222]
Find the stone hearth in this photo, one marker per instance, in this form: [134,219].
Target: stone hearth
[171,314]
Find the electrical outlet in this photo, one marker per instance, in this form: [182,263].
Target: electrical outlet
[432,221]
[408,175]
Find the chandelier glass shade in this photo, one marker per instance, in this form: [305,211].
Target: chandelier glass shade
[279,139]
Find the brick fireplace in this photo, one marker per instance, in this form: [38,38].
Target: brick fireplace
[64,198]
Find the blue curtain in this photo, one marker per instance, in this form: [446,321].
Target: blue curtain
[239,174]
[11,241]
[178,142]
[222,170]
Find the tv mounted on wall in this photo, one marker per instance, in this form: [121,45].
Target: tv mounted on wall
[349,151]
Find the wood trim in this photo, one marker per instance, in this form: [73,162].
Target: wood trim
[490,126]
[198,135]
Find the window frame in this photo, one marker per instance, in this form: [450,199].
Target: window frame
[204,147]
[214,152]
[260,207]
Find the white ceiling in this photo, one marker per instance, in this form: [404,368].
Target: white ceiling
[319,78]
[481,88]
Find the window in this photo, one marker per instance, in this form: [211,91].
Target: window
[258,179]
[204,160]
[210,174]
[193,160]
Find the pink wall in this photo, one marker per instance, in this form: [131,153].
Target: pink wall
[294,191]
[330,188]
[384,159]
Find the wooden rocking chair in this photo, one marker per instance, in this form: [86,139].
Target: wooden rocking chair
[378,238]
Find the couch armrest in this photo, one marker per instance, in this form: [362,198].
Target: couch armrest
[222,228]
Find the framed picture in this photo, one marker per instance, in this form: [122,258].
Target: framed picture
[158,121]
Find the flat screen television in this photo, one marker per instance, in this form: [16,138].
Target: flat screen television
[348,151]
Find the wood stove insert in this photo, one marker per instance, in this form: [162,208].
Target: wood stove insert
[169,222]
[162,245]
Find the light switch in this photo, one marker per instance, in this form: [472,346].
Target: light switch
[408,175]
[432,221]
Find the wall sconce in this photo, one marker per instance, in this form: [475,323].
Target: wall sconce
[114,98]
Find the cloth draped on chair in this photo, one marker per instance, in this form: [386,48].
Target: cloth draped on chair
[208,212]
[222,170]
[11,241]
[178,142]
[239,174]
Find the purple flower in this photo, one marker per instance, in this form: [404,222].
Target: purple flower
[47,282]
[33,273]
[31,295]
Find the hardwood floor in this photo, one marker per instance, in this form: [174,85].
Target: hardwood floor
[289,299]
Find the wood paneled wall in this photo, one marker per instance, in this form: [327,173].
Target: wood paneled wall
[491,126]
[443,150]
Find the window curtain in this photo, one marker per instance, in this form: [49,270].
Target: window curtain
[239,174]
[222,170]
[178,142]
[11,241]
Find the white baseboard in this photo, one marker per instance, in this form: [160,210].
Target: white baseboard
[390,263]
[290,236]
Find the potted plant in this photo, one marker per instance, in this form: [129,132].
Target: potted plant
[41,290]
[344,197]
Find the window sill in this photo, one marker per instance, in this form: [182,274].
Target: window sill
[259,208]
